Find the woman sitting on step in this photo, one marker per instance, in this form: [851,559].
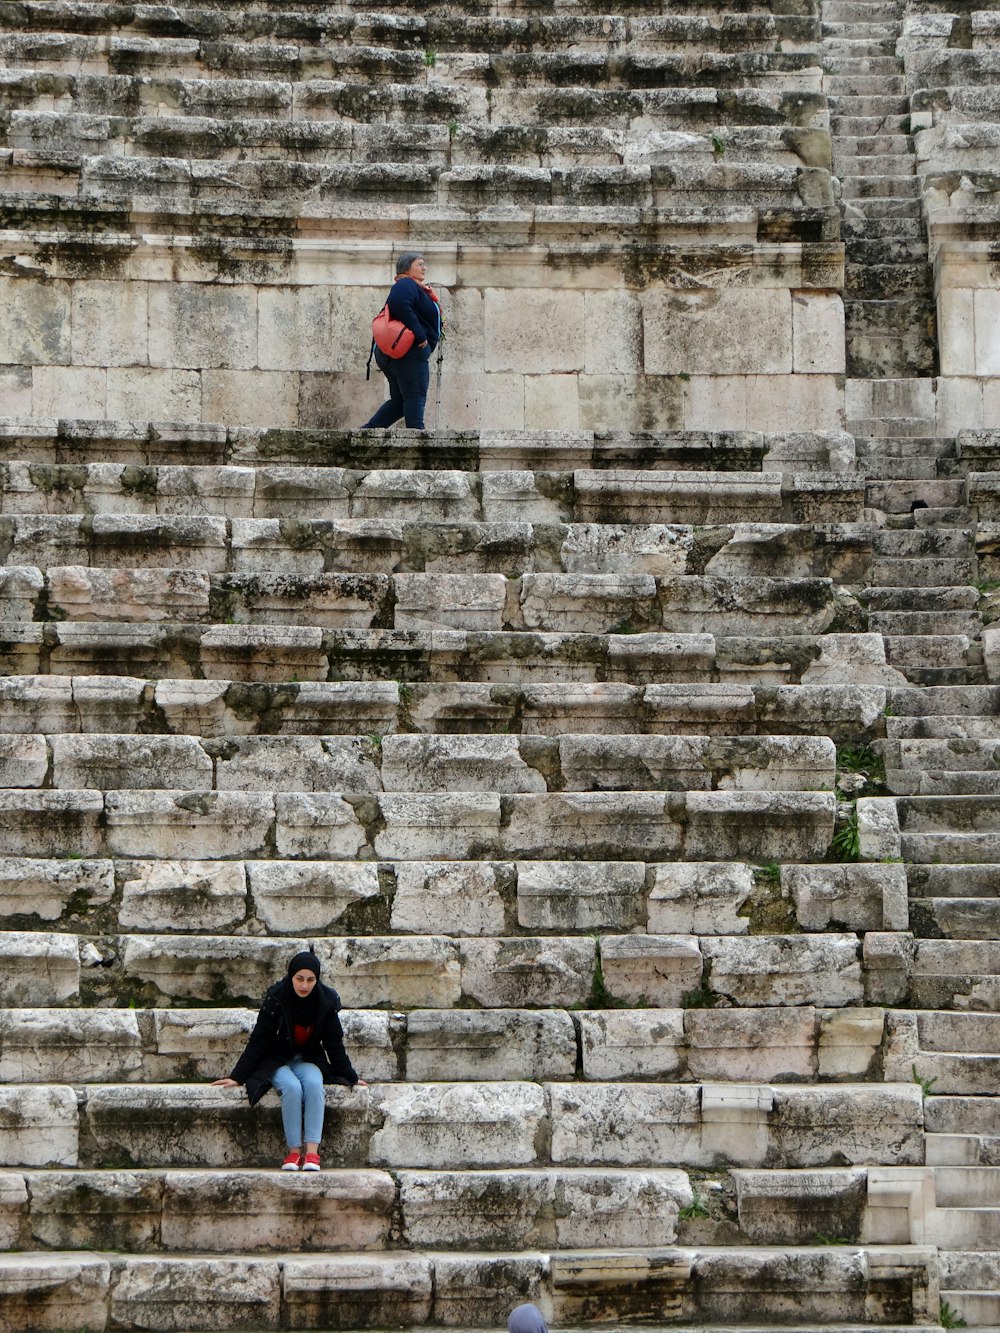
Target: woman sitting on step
[296,1046]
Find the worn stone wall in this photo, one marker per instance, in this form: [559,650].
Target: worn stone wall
[611,335]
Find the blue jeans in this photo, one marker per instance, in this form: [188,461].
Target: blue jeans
[409,379]
[300,1082]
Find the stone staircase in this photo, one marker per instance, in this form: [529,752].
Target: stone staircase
[888,291]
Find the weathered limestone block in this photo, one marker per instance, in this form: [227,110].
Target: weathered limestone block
[850,1042]
[642,1044]
[449,601]
[516,497]
[492,1044]
[454,1125]
[691,332]
[264,653]
[735,1121]
[700,898]
[291,897]
[300,492]
[786,969]
[463,898]
[183,895]
[800,1207]
[37,703]
[31,887]
[413,970]
[51,823]
[585,895]
[200,1044]
[625,1125]
[107,703]
[54,1291]
[889,963]
[813,1282]
[447,826]
[130,761]
[429,497]
[125,594]
[38,1126]
[851,659]
[38,969]
[197,967]
[318,825]
[691,763]
[214,1293]
[350,1210]
[468,1288]
[477,1209]
[20,588]
[13,1210]
[298,763]
[23,761]
[457,763]
[651,969]
[592,825]
[759,826]
[745,1044]
[587,603]
[845,711]
[386,1291]
[854,897]
[97,1210]
[619,1286]
[195,825]
[82,1046]
[513,973]
[847,1124]
[375,1042]
[659,549]
[878,828]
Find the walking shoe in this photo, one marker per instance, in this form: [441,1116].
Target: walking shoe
[293,1162]
[310,1162]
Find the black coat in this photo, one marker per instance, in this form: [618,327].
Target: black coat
[271,1044]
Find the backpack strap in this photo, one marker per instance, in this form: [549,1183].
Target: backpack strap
[368,368]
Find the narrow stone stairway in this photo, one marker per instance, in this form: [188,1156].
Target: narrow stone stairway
[888,294]
[942,742]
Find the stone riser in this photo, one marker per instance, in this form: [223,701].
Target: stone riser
[414,764]
[592,604]
[441,971]
[91,446]
[458,1126]
[748,826]
[220,708]
[684,1045]
[289,654]
[873,1287]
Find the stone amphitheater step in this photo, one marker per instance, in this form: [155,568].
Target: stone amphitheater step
[479,1126]
[970,1282]
[152,445]
[873,1285]
[962,1130]
[49,499]
[547,603]
[797,1044]
[452,763]
[219,708]
[954,1053]
[753,826]
[275,653]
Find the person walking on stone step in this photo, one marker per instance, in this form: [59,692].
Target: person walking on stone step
[296,1046]
[526,1319]
[414,303]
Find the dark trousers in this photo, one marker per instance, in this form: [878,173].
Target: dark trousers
[409,378]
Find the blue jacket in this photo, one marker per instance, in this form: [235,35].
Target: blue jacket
[410,304]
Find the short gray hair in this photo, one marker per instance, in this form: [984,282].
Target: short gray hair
[406,259]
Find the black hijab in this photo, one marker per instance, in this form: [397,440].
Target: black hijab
[303,1010]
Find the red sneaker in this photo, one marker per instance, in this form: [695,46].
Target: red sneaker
[310,1162]
[293,1162]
